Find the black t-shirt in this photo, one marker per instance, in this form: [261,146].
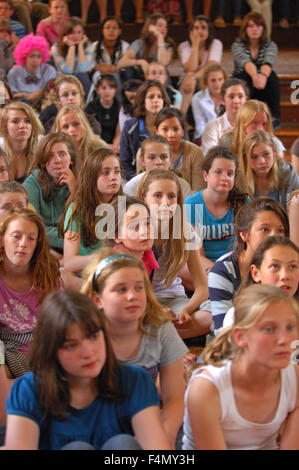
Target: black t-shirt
[107,117]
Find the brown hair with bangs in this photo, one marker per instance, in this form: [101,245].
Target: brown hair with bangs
[258,19]
[140,111]
[86,197]
[59,311]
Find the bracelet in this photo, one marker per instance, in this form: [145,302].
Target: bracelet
[162,44]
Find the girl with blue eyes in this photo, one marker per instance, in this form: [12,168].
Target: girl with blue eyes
[178,248]
[78,395]
[261,218]
[244,394]
[140,330]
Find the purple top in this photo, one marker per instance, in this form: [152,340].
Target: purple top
[18,311]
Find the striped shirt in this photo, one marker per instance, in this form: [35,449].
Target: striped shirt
[86,66]
[242,54]
[223,280]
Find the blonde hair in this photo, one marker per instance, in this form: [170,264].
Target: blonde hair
[67,79]
[245,115]
[250,304]
[177,255]
[37,128]
[154,314]
[250,142]
[210,69]
[90,141]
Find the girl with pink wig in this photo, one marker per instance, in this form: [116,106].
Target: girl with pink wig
[31,73]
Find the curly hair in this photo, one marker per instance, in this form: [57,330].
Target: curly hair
[28,44]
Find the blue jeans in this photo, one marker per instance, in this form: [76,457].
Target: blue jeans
[118,442]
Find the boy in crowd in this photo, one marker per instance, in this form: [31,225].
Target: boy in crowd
[6,11]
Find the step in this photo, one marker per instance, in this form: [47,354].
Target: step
[288,84]
[289,111]
[288,134]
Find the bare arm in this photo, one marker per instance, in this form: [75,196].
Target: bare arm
[4,391]
[204,412]
[293,211]
[290,433]
[21,433]
[173,389]
[71,248]
[200,280]
[148,429]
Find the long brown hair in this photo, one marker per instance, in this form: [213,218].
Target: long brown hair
[86,197]
[59,311]
[247,214]
[140,111]
[44,267]
[67,29]
[259,20]
[42,155]
[150,39]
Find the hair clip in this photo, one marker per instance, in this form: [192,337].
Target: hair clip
[104,262]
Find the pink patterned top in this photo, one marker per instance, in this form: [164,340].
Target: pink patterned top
[18,311]
[47,29]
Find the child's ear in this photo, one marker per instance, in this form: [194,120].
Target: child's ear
[240,337]
[244,236]
[96,299]
[204,174]
[255,274]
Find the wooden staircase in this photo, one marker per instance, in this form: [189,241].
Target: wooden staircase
[289,105]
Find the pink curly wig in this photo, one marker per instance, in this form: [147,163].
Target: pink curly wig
[28,44]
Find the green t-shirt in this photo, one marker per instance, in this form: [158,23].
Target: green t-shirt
[76,227]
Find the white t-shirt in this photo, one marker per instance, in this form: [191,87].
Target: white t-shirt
[238,432]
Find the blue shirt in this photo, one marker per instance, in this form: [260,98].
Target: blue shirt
[17,28]
[96,423]
[16,78]
[218,235]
